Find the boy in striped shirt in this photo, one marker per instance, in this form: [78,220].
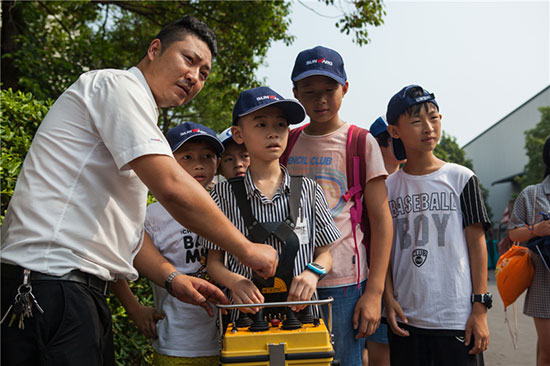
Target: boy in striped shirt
[261,119]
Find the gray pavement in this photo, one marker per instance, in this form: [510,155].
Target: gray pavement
[501,351]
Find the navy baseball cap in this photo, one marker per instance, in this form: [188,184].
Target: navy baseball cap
[257,98]
[181,134]
[319,61]
[378,126]
[225,136]
[398,104]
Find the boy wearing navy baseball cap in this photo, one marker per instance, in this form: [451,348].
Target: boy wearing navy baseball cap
[379,129]
[436,297]
[320,84]
[268,198]
[197,149]
[235,159]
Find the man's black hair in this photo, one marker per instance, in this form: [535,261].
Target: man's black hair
[414,110]
[177,31]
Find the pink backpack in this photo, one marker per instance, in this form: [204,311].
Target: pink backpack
[356,179]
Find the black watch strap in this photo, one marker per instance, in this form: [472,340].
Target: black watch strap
[485,299]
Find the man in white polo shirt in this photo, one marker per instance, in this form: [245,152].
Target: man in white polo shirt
[75,221]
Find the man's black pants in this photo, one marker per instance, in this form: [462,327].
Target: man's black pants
[75,328]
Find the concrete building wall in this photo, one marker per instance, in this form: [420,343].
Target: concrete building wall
[499,152]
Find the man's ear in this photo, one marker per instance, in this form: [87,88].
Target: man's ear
[295,92]
[393,131]
[155,49]
[237,134]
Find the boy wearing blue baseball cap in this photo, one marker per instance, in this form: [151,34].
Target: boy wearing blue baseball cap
[273,208]
[379,129]
[235,159]
[436,297]
[197,149]
[320,152]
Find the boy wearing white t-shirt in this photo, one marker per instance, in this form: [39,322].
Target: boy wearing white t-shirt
[436,296]
[184,334]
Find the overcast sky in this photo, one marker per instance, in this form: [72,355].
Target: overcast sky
[481,59]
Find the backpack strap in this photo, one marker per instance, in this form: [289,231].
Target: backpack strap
[356,176]
[256,232]
[284,231]
[292,138]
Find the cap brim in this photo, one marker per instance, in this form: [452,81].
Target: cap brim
[398,149]
[309,73]
[294,111]
[216,144]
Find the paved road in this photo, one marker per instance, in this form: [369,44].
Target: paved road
[501,351]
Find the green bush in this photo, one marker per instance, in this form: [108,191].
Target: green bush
[19,118]
[131,347]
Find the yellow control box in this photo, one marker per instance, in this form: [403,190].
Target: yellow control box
[309,345]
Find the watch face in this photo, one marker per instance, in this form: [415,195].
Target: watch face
[316,265]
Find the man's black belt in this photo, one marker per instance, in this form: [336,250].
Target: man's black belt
[15,272]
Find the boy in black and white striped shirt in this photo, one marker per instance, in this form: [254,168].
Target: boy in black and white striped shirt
[261,119]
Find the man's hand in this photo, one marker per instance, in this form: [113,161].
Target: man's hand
[262,259]
[367,310]
[197,291]
[145,318]
[302,288]
[477,328]
[394,311]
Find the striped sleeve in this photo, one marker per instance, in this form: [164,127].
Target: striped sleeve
[472,205]
[202,241]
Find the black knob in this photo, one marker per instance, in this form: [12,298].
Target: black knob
[259,324]
[291,322]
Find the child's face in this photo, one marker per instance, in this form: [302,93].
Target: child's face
[235,160]
[419,132]
[199,159]
[321,96]
[264,133]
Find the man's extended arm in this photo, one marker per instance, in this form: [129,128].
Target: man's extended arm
[189,203]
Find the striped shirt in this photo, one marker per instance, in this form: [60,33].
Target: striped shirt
[277,210]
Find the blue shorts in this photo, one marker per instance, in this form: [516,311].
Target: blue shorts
[348,349]
[380,336]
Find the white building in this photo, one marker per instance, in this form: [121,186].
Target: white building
[498,154]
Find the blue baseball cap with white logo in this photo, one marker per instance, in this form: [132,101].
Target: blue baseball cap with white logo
[225,136]
[398,104]
[257,98]
[378,126]
[319,61]
[181,134]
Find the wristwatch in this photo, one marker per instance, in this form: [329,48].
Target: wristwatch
[317,269]
[485,299]
[168,281]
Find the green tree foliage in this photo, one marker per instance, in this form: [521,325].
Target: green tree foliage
[20,117]
[449,151]
[357,20]
[48,44]
[534,141]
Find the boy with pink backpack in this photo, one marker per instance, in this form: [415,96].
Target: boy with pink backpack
[346,161]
